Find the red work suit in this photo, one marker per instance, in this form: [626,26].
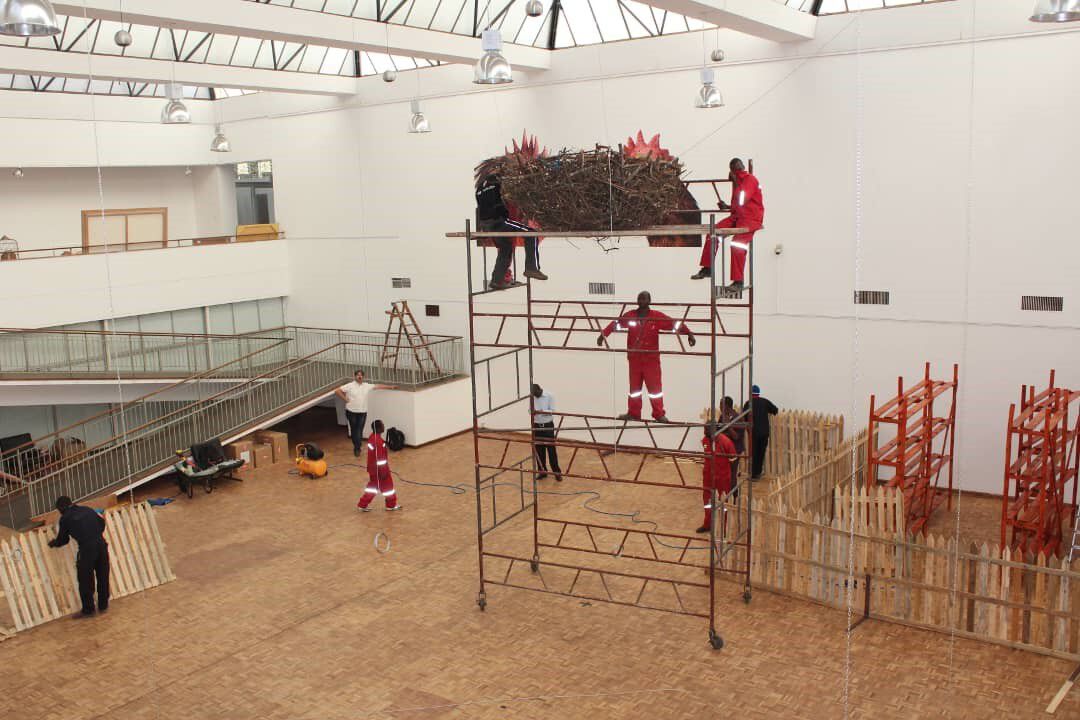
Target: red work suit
[748,211]
[380,480]
[643,344]
[717,471]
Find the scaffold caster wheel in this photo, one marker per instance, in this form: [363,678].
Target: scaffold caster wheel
[535,565]
[715,640]
[746,596]
[481,601]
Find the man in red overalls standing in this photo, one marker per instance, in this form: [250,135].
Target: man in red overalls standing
[378,467]
[747,211]
[643,327]
[719,452]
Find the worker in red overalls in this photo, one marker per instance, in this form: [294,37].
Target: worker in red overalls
[747,211]
[378,467]
[643,327]
[719,451]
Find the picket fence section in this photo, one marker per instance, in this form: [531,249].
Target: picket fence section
[978,592]
[800,439]
[811,484]
[39,583]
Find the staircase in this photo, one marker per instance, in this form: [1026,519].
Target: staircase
[147,431]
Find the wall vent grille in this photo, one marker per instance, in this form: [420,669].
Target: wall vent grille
[1042,303]
[401,282]
[871,297]
[601,288]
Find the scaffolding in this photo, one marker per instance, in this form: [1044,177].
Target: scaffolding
[1041,460]
[603,561]
[916,464]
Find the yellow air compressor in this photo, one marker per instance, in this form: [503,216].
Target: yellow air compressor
[309,460]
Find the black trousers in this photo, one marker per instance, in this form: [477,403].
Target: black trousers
[547,454]
[506,256]
[356,428]
[761,444]
[90,563]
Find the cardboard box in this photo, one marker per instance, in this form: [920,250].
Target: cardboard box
[244,450]
[264,456]
[279,441]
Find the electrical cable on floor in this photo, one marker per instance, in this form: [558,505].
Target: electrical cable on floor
[594,496]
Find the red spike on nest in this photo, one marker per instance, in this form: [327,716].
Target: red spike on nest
[642,149]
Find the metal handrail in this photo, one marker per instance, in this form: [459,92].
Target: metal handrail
[81,251]
[112,412]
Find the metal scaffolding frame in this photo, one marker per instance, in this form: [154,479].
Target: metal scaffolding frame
[554,325]
[916,464]
[1042,455]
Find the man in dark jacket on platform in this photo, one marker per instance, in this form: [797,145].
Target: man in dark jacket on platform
[760,410]
[88,529]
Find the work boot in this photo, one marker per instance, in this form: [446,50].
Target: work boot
[363,509]
[541,476]
[703,529]
[535,274]
[102,609]
[558,477]
[498,285]
[702,274]
[356,452]
[662,419]
[82,615]
[393,509]
[628,416]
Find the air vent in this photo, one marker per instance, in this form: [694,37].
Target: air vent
[401,282]
[431,310]
[1042,303]
[601,288]
[871,297]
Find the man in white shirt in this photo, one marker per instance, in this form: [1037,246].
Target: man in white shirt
[355,395]
[544,432]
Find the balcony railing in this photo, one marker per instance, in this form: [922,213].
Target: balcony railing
[139,437]
[78,250]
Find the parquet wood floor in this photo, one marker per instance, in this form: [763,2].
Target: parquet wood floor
[282,608]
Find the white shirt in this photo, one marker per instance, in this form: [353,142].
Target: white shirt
[544,406]
[356,396]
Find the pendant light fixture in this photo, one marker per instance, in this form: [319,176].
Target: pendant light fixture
[492,68]
[390,74]
[1056,11]
[122,38]
[534,8]
[709,96]
[175,111]
[28,18]
[418,123]
[220,143]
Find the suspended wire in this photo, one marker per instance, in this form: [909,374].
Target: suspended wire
[855,373]
[111,332]
[969,239]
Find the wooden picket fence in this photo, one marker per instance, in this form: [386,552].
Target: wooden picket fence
[810,485]
[877,510]
[39,582]
[978,592]
[800,439]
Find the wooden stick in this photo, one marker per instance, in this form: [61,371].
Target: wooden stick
[1065,688]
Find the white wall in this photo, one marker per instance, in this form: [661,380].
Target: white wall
[43,209]
[965,203]
[67,290]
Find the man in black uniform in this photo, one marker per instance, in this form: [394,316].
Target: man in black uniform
[760,410]
[494,215]
[88,528]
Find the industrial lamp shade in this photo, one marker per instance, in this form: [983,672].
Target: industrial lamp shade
[28,18]
[418,122]
[175,112]
[220,143]
[1048,11]
[709,96]
[123,38]
[534,8]
[492,68]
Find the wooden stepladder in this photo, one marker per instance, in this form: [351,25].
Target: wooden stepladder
[408,330]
